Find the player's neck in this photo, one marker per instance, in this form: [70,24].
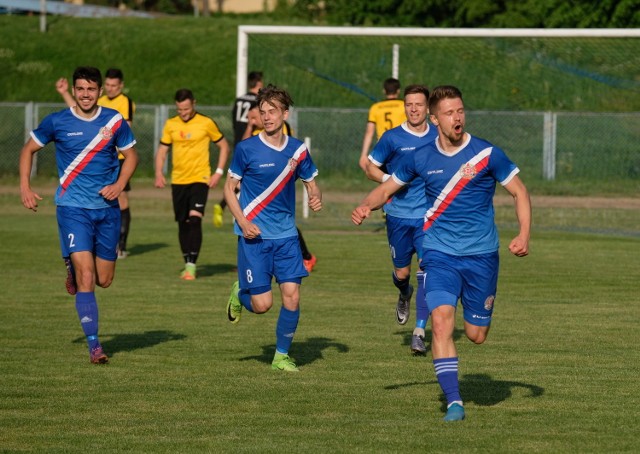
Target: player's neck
[451,146]
[419,128]
[85,113]
[276,138]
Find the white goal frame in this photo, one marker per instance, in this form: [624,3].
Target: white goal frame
[245,30]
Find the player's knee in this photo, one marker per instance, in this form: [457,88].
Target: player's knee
[477,335]
[260,306]
[104,284]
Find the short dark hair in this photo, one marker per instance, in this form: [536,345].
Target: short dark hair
[89,73]
[443,92]
[114,73]
[271,93]
[416,89]
[183,94]
[391,86]
[253,78]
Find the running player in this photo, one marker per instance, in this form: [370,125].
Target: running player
[113,98]
[460,254]
[268,165]
[88,138]
[405,210]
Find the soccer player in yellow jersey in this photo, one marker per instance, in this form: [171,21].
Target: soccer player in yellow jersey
[189,134]
[383,115]
[114,98]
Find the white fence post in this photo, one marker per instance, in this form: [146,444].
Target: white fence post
[305,194]
[549,146]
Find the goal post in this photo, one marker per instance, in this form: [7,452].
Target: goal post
[541,94]
[245,31]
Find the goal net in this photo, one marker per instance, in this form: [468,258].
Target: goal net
[547,96]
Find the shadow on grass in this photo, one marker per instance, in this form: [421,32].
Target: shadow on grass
[304,352]
[127,342]
[480,389]
[140,249]
[219,268]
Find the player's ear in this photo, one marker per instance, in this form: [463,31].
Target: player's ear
[286,114]
[433,119]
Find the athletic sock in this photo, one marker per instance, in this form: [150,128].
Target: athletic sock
[447,375]
[422,311]
[194,242]
[183,238]
[306,255]
[402,285]
[87,309]
[286,329]
[245,299]
[125,221]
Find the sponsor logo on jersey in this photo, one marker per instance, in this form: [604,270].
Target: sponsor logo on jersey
[72,134]
[270,164]
[488,303]
[468,171]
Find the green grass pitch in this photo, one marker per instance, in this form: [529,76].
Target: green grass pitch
[558,373]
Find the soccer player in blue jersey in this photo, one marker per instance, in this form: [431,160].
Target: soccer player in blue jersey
[87,138]
[460,253]
[268,165]
[405,210]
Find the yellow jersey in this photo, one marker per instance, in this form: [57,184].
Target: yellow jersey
[386,115]
[123,104]
[189,143]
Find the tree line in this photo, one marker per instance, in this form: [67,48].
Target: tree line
[429,13]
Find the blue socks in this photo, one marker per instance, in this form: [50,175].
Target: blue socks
[87,309]
[422,311]
[286,329]
[447,375]
[402,285]
[245,299]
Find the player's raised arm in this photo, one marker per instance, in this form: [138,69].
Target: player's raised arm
[375,200]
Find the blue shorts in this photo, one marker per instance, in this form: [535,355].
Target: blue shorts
[405,239]
[260,260]
[82,229]
[472,278]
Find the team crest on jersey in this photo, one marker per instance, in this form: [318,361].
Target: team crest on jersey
[106,133]
[488,303]
[467,171]
[293,164]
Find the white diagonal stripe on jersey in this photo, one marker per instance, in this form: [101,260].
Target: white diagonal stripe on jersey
[453,182]
[274,185]
[90,146]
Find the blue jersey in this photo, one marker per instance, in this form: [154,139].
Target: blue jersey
[459,189]
[391,149]
[268,175]
[86,154]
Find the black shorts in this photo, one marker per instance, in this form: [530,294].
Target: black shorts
[127,187]
[187,197]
